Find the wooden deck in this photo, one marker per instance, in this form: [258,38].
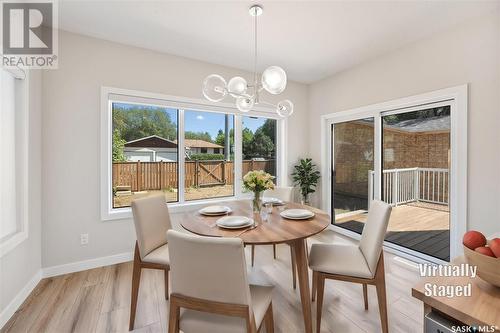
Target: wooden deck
[422,229]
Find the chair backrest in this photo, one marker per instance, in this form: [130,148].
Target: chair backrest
[208,268]
[284,193]
[374,231]
[152,220]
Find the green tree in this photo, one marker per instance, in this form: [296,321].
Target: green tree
[269,129]
[221,138]
[137,122]
[118,145]
[247,137]
[205,136]
[261,145]
[417,115]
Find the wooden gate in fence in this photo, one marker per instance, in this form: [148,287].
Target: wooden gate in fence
[211,173]
[144,176]
[207,173]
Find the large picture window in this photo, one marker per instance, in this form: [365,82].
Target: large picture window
[8,219]
[144,152]
[209,162]
[184,151]
[14,136]
[259,144]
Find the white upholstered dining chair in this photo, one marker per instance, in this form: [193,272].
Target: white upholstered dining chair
[210,285]
[151,220]
[362,263]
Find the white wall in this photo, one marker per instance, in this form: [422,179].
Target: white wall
[469,53]
[71,97]
[22,263]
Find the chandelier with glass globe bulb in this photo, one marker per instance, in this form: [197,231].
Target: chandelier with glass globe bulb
[273,80]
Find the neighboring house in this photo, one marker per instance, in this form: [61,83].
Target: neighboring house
[151,149]
[155,149]
[202,147]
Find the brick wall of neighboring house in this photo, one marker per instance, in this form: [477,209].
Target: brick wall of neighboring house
[354,153]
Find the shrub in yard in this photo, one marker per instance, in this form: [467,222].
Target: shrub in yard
[206,157]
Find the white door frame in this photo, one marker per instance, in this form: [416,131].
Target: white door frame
[458,100]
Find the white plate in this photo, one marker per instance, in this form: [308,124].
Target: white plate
[234,222]
[215,210]
[297,214]
[274,201]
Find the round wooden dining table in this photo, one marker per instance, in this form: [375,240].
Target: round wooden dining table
[275,230]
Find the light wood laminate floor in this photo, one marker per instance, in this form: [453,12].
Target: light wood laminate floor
[98,300]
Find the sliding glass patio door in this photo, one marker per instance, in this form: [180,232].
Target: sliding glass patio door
[415,179]
[352,165]
[402,157]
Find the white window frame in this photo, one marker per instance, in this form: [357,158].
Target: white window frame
[111,94]
[457,98]
[22,158]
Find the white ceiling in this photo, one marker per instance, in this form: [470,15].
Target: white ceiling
[310,40]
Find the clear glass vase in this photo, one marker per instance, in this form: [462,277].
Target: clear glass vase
[257,202]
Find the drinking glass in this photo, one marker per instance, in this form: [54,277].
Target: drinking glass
[269,207]
[264,214]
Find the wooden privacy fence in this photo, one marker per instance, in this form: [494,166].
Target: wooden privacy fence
[144,176]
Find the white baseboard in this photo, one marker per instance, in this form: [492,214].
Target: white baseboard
[47,272]
[9,311]
[87,264]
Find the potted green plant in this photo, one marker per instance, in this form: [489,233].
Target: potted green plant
[306,177]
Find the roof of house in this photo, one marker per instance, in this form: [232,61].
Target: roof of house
[200,144]
[432,124]
[155,141]
[196,143]
[152,141]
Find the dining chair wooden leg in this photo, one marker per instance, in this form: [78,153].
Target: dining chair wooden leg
[253,254]
[382,305]
[381,294]
[268,319]
[173,317]
[314,285]
[294,268]
[136,280]
[365,295]
[319,300]
[166,282]
[274,251]
[303,279]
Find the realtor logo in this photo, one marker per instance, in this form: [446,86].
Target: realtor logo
[29,34]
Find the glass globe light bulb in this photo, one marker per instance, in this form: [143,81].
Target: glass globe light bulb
[274,80]
[245,103]
[214,88]
[237,85]
[285,108]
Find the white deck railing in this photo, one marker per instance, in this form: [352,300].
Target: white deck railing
[401,186]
